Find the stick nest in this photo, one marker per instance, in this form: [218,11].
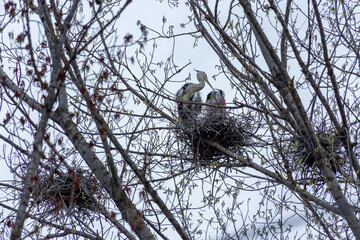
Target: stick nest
[303,156]
[232,133]
[74,189]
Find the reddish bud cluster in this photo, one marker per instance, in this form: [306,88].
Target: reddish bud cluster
[23,12]
[142,194]
[43,97]
[21,37]
[103,76]
[138,213]
[29,72]
[34,178]
[9,224]
[46,137]
[97,97]
[93,184]
[128,38]
[114,89]
[44,44]
[22,84]
[10,7]
[43,69]
[62,75]
[45,86]
[132,226]
[22,120]
[127,189]
[7,118]
[99,196]
[92,144]
[144,32]
[103,130]
[82,89]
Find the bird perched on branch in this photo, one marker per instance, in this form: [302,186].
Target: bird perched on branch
[188,97]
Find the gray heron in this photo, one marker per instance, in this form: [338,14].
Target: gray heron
[215,101]
[188,97]
[216,98]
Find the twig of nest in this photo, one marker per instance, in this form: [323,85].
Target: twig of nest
[230,132]
[73,189]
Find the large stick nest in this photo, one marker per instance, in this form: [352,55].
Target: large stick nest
[58,190]
[232,133]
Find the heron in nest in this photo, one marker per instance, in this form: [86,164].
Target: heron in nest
[216,102]
[188,97]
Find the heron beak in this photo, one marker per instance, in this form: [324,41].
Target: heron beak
[209,83]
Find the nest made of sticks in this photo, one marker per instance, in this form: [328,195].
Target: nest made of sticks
[304,157]
[231,132]
[74,189]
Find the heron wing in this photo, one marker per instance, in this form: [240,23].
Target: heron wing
[183,93]
[196,98]
[186,99]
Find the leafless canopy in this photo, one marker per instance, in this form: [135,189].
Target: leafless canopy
[92,146]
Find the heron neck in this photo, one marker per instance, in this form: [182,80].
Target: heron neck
[200,85]
[196,87]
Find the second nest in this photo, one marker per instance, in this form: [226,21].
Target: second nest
[61,190]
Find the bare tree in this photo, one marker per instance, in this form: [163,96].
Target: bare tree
[306,98]
[95,148]
[56,67]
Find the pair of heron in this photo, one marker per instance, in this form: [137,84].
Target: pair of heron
[189,100]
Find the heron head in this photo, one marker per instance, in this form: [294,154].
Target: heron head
[201,76]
